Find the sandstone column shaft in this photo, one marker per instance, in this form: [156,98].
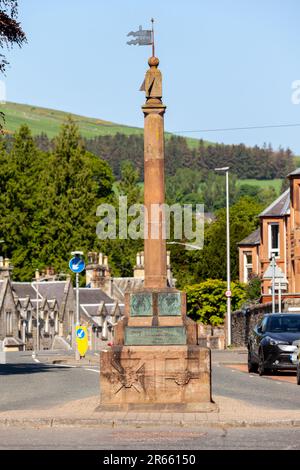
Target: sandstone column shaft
[154,190]
[154,198]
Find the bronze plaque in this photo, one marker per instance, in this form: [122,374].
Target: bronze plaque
[169,304]
[141,305]
[155,336]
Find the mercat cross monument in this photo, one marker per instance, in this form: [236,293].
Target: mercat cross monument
[155,363]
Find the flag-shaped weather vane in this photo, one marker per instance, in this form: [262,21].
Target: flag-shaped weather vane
[144,37]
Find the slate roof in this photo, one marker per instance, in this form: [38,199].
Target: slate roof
[295,173]
[125,283]
[278,208]
[23,290]
[53,290]
[89,296]
[252,239]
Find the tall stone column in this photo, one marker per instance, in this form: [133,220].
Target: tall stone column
[154,192]
[155,362]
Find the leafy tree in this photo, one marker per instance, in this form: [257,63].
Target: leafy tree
[49,201]
[191,267]
[129,184]
[11,32]
[206,302]
[253,289]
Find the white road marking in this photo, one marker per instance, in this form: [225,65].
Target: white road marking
[94,370]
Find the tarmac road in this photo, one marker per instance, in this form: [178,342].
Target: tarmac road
[155,439]
[31,385]
[28,385]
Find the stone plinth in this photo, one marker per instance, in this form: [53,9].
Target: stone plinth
[156,378]
[156,362]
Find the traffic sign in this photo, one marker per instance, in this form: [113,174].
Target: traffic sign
[228,293]
[77,265]
[82,340]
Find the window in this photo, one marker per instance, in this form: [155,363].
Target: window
[9,324]
[248,266]
[264,325]
[273,240]
[56,323]
[29,322]
[46,322]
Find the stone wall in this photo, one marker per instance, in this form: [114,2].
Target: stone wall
[243,321]
[211,337]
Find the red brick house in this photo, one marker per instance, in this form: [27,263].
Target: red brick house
[279,234]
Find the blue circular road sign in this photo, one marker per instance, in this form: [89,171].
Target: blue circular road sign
[80,333]
[77,265]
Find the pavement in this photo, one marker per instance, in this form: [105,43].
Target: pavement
[67,396]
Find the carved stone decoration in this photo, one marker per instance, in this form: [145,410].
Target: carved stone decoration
[183,378]
[128,377]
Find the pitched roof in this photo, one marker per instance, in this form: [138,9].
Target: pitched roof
[53,290]
[278,208]
[252,239]
[23,290]
[295,173]
[89,296]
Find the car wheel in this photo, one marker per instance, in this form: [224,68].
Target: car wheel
[298,374]
[251,366]
[261,365]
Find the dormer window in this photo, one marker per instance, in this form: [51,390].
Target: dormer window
[274,240]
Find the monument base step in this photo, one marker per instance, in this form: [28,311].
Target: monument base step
[161,407]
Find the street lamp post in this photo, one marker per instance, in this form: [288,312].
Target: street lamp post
[228,294]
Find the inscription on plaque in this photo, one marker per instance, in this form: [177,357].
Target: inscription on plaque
[155,336]
[169,304]
[141,305]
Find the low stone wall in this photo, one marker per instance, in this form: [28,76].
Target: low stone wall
[243,321]
[211,337]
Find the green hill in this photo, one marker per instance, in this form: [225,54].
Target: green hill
[48,121]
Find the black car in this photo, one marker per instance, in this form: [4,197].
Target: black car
[271,343]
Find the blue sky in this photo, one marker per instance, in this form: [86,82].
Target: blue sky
[226,63]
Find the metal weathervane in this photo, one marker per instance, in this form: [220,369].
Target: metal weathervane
[144,37]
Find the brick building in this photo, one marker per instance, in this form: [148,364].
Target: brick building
[278,234]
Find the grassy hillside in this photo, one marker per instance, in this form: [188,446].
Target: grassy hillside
[48,121]
[276,183]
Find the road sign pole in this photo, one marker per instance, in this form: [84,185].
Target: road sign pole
[273,282]
[77,266]
[77,355]
[279,296]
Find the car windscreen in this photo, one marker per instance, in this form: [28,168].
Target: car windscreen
[285,324]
